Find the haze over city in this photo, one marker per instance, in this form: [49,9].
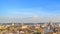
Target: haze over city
[29,11]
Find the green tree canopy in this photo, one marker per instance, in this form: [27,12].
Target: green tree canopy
[36,33]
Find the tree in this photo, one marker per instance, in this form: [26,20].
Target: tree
[36,33]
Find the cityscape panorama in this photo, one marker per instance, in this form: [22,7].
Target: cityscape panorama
[29,16]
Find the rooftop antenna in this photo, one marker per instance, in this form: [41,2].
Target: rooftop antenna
[35,18]
[22,21]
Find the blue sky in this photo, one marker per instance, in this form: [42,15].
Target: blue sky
[29,8]
[42,10]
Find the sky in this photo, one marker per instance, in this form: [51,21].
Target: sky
[29,8]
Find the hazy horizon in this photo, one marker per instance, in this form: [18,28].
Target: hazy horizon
[29,11]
